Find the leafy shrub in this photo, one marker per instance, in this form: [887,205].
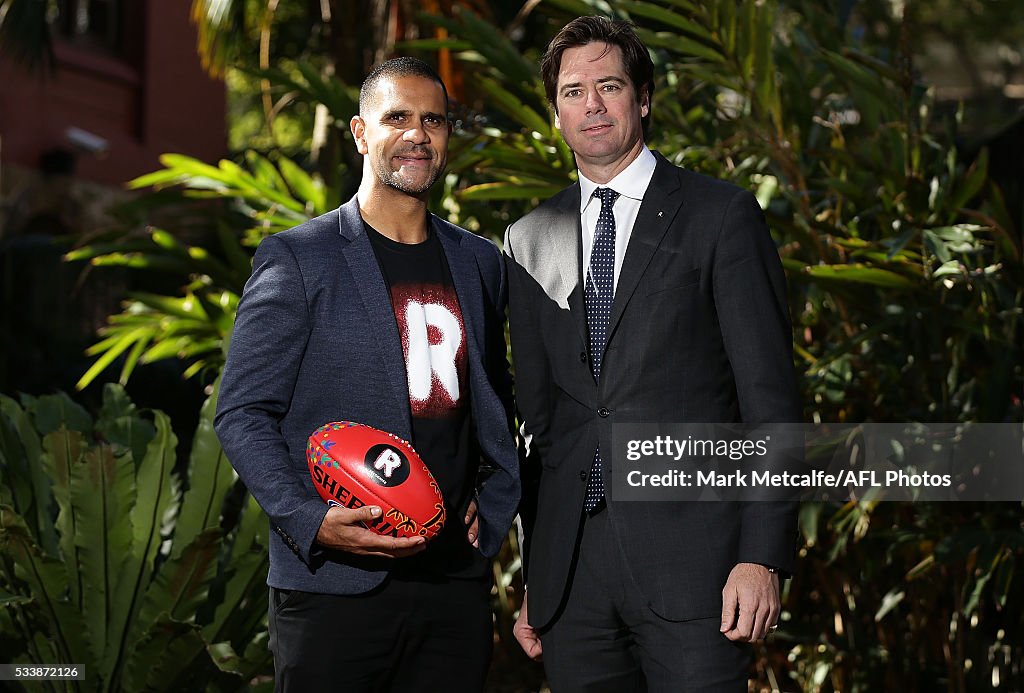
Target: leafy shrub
[150,578]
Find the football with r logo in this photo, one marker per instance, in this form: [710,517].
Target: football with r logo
[353,465]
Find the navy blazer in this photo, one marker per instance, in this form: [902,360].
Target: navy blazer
[316,340]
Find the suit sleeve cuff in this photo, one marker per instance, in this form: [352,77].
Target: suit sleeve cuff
[300,527]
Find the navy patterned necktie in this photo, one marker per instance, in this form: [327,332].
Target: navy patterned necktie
[598,295]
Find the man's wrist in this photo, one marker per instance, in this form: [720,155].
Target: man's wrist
[783,575]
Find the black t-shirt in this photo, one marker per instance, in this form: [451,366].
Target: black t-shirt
[434,345]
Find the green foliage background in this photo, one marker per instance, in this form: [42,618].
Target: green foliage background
[146,577]
[903,259]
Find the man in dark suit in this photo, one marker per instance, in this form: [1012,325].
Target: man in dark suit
[643,293]
[383,314]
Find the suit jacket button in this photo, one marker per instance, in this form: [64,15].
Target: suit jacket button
[583,475]
[583,357]
[604,412]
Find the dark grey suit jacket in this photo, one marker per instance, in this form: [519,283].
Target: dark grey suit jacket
[699,332]
[315,340]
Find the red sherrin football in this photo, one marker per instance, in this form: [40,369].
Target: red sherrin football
[353,465]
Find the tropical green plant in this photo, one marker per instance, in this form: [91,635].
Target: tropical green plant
[149,578]
[898,596]
[262,199]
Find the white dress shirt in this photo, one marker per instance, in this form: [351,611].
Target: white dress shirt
[631,184]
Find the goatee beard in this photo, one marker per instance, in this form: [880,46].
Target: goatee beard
[393,180]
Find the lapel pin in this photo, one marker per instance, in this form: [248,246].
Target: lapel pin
[661,214]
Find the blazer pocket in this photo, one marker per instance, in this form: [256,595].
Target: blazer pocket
[689,278]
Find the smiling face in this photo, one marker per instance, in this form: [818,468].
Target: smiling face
[597,109]
[403,135]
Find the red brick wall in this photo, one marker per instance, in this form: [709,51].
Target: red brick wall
[160,101]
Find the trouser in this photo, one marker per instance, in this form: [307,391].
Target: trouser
[406,635]
[606,639]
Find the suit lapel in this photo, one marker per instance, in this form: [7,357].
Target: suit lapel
[465,277]
[362,263]
[660,205]
[566,238]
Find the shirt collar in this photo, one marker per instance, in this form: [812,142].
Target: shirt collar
[631,181]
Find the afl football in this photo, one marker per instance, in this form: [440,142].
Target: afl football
[353,465]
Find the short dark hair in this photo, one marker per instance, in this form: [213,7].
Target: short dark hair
[594,29]
[396,67]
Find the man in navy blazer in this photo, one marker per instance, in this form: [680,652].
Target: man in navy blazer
[382,314]
[642,293]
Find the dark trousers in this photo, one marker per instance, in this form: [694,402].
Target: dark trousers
[607,639]
[405,636]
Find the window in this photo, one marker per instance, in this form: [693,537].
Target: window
[94,24]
